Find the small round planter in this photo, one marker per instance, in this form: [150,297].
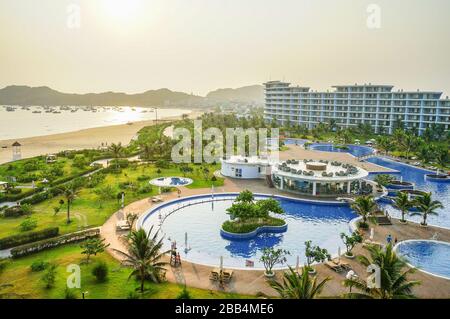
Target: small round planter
[423,226]
[403,222]
[269,275]
[349,256]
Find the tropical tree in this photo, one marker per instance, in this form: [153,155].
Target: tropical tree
[383,179]
[350,241]
[70,192]
[426,206]
[299,286]
[315,254]
[116,151]
[364,206]
[104,194]
[131,219]
[384,144]
[93,246]
[389,280]
[403,204]
[245,196]
[271,257]
[144,256]
[442,157]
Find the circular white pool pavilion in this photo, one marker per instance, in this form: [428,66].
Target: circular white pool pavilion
[322,178]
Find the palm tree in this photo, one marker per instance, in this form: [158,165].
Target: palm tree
[70,192]
[402,203]
[364,206]
[144,256]
[295,286]
[384,144]
[116,150]
[426,206]
[393,281]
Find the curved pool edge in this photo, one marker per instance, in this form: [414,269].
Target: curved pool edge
[415,267]
[152,210]
[284,267]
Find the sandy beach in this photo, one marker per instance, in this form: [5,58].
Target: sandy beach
[82,139]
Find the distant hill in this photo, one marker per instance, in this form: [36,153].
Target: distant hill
[25,95]
[252,93]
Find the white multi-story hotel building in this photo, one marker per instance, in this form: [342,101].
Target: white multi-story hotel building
[350,105]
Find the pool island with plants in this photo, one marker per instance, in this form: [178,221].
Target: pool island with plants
[250,217]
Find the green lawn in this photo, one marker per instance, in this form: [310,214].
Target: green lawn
[38,168]
[30,285]
[88,211]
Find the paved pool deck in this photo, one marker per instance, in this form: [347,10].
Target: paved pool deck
[253,282]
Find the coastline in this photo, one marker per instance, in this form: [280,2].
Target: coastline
[81,139]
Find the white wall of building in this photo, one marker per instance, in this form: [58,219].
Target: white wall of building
[244,171]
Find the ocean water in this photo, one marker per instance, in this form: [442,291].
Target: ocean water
[24,123]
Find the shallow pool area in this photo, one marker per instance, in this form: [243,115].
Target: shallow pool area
[439,191]
[171,181]
[355,150]
[201,218]
[432,257]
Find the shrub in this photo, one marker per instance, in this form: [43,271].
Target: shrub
[184,294]
[15,211]
[15,191]
[70,293]
[35,247]
[144,189]
[162,164]
[133,295]
[49,277]
[100,271]
[213,178]
[25,238]
[39,265]
[28,224]
[166,189]
[143,178]
[3,263]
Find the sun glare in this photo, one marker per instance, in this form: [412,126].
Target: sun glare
[121,9]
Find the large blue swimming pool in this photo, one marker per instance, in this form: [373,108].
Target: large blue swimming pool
[430,256]
[355,150]
[440,191]
[202,221]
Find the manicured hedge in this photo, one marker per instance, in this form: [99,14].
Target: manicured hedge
[35,247]
[17,197]
[15,211]
[29,237]
[71,177]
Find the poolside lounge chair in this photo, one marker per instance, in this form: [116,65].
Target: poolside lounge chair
[157,199]
[343,264]
[333,266]
[122,225]
[227,275]
[214,274]
[369,242]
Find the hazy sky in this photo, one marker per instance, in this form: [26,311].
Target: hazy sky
[200,45]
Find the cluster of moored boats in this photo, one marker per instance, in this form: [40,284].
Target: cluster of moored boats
[72,109]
